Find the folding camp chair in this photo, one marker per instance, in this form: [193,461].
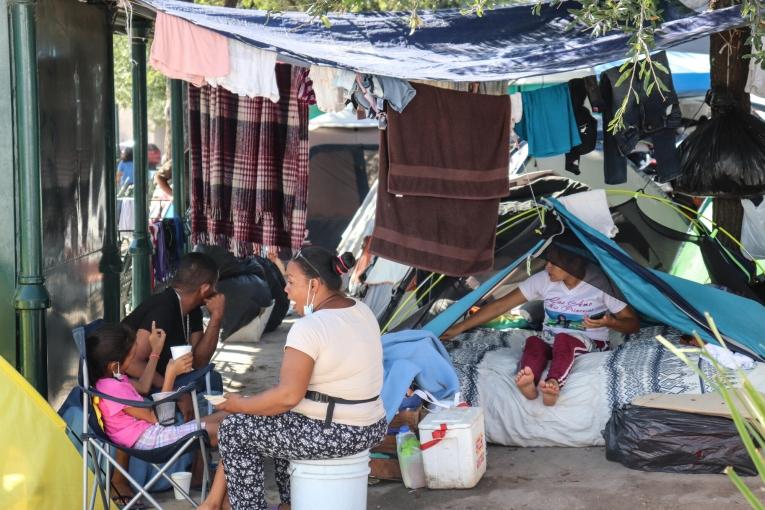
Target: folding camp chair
[96,445]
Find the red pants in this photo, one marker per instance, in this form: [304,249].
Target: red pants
[565,348]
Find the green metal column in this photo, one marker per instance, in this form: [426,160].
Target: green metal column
[31,297]
[140,248]
[111,263]
[179,159]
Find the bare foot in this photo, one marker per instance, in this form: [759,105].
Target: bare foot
[550,392]
[525,382]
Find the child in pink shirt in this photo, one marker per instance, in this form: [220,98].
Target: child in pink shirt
[110,351]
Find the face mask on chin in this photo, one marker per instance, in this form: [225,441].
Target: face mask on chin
[308,308]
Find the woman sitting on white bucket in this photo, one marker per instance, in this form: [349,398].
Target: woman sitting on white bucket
[326,404]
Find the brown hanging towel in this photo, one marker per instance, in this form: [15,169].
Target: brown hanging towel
[438,210]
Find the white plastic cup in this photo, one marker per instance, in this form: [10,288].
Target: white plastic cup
[179,350]
[182,478]
[165,412]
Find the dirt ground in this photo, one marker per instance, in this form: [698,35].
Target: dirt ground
[516,478]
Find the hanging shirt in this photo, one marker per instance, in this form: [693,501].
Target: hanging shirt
[187,52]
[329,97]
[253,72]
[565,309]
[548,122]
[755,82]
[753,228]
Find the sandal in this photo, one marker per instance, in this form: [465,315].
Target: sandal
[122,501]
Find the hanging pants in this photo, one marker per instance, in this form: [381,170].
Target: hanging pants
[245,439]
[565,348]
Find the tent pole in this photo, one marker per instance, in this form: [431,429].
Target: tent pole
[111,263]
[140,248]
[31,299]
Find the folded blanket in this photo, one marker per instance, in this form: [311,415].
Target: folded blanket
[450,144]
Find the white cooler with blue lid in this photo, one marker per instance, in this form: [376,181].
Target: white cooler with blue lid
[453,447]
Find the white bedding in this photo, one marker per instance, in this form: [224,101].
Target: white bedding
[598,382]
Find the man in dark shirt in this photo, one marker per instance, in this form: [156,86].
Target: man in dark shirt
[177,311]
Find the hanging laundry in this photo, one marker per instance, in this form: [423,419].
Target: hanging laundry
[249,165]
[370,92]
[345,80]
[755,82]
[492,88]
[427,141]
[753,228]
[516,108]
[252,72]
[548,123]
[451,145]
[586,123]
[329,97]
[516,114]
[167,240]
[656,117]
[127,214]
[187,52]
[273,214]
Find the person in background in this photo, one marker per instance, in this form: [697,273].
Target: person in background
[333,353]
[163,176]
[125,167]
[577,319]
[178,310]
[153,156]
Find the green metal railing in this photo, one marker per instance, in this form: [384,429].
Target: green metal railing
[140,248]
[111,262]
[179,159]
[31,298]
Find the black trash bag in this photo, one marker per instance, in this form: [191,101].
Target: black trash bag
[243,282]
[276,283]
[724,156]
[246,295]
[674,442]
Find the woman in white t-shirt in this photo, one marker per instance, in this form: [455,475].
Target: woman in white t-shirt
[326,404]
[577,319]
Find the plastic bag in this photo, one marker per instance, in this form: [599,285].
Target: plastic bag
[724,156]
[674,442]
[753,229]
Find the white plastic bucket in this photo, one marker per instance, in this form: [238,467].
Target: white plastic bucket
[330,484]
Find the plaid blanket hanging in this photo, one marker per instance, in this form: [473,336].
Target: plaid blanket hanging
[249,165]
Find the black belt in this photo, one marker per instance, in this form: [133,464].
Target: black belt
[331,401]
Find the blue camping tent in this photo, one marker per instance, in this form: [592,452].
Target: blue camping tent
[505,43]
[658,296]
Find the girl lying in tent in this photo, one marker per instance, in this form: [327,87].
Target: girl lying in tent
[577,319]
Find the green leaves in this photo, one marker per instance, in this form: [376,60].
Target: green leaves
[156,83]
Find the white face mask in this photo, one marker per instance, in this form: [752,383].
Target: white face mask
[116,373]
[308,309]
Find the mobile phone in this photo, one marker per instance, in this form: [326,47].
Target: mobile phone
[597,316]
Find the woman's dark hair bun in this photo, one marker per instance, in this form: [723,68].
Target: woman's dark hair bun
[344,263]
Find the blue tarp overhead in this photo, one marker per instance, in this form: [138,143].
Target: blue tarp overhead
[506,43]
[665,298]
